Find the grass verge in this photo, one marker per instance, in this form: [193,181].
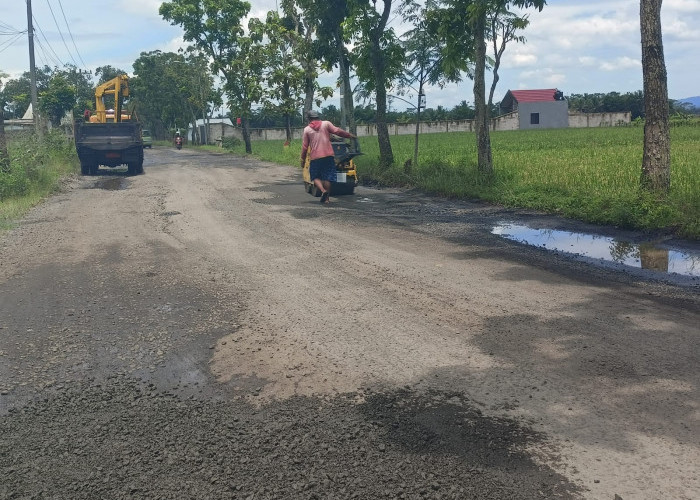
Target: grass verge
[36,169]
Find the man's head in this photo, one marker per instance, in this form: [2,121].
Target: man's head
[312,115]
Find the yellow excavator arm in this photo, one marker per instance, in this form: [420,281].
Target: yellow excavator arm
[119,88]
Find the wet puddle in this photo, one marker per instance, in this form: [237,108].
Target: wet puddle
[112,184]
[650,255]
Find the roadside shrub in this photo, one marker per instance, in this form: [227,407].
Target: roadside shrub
[231,142]
[36,165]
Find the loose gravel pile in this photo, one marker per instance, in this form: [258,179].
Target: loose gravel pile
[123,439]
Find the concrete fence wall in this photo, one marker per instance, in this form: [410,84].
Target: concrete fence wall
[505,122]
[583,120]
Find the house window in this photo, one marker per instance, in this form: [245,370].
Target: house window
[534,118]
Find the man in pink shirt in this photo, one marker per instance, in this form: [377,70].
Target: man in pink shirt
[317,144]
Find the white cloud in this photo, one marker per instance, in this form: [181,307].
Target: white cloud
[685,6]
[621,63]
[143,8]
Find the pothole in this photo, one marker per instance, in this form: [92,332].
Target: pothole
[112,184]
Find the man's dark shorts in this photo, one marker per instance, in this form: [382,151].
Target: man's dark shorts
[323,168]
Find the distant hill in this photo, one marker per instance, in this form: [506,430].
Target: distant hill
[693,101]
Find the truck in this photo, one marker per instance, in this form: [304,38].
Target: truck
[110,137]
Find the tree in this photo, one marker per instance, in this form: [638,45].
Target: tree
[424,61]
[328,18]
[203,97]
[57,99]
[503,26]
[656,161]
[466,25]
[302,20]
[214,26]
[378,58]
[171,90]
[16,92]
[81,81]
[107,73]
[154,94]
[285,77]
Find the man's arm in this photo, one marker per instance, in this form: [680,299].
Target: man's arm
[339,131]
[304,148]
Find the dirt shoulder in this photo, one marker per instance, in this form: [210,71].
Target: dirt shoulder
[386,345]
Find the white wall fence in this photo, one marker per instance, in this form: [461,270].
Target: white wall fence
[500,123]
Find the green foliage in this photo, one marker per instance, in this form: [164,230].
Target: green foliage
[36,166]
[231,143]
[586,174]
[16,92]
[57,99]
[170,89]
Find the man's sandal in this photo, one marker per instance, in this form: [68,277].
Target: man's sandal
[324,197]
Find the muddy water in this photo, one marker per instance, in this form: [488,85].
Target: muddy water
[651,255]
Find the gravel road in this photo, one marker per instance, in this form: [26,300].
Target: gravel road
[209,330]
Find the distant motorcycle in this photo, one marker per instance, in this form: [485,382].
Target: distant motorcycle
[178,142]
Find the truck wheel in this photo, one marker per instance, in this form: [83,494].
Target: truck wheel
[84,169]
[94,168]
[135,168]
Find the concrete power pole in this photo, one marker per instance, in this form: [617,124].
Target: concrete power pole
[32,68]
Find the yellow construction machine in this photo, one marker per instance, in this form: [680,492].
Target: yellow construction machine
[346,173]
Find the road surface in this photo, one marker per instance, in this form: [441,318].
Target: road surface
[209,330]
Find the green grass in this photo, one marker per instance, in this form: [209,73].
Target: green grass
[586,174]
[36,170]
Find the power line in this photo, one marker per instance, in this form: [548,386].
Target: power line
[61,33]
[55,61]
[71,36]
[56,58]
[7,44]
[6,29]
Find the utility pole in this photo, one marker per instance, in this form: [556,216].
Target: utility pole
[32,68]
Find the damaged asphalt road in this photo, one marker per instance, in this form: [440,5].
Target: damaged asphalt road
[209,330]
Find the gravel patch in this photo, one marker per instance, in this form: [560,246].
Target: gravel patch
[124,439]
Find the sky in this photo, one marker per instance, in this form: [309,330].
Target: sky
[577,46]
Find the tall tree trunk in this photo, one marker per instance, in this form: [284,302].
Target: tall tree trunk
[349,102]
[483,138]
[347,110]
[4,155]
[245,127]
[386,155]
[310,89]
[656,161]
[415,142]
[288,126]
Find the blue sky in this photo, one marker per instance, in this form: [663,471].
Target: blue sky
[578,46]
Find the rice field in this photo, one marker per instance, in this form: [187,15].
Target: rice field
[587,174]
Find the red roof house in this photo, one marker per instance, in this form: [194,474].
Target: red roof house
[540,108]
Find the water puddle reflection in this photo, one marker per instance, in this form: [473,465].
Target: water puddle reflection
[651,255]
